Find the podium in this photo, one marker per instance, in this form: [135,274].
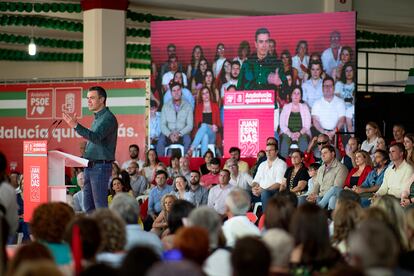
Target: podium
[44,174]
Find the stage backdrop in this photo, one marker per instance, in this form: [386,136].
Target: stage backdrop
[286,30]
[28,110]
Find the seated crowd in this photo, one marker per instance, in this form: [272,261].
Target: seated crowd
[319,211]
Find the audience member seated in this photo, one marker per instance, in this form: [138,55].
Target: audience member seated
[235,154]
[269,175]
[296,176]
[174,168]
[373,135]
[346,216]
[207,124]
[250,256]
[138,183]
[160,225]
[155,123]
[48,226]
[217,194]
[196,56]
[169,76]
[7,198]
[301,60]
[113,233]
[238,225]
[312,88]
[205,168]
[409,145]
[395,217]
[193,243]
[398,132]
[185,167]
[351,148]
[78,197]
[186,94]
[373,248]
[218,263]
[128,209]
[212,178]
[117,186]
[397,175]
[176,121]
[138,261]
[313,252]
[329,181]
[30,252]
[358,174]
[150,165]
[331,57]
[180,210]
[134,155]
[182,189]
[382,144]
[328,113]
[280,244]
[238,179]
[278,213]
[374,179]
[295,123]
[156,194]
[90,238]
[200,193]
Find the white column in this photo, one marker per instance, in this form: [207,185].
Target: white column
[104,43]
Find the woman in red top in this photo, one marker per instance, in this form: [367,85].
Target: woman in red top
[358,174]
[206,121]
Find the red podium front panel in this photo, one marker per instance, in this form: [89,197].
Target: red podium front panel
[35,172]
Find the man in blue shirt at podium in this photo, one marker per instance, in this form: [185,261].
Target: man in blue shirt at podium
[100,148]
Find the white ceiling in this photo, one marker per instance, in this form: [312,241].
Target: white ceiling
[372,15]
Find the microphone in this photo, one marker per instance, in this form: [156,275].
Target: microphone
[58,123]
[48,129]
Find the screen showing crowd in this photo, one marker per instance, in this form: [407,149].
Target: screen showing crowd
[307,61]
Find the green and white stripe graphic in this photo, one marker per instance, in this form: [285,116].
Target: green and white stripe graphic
[120,101]
[409,88]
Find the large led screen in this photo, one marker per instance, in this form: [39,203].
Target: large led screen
[307,61]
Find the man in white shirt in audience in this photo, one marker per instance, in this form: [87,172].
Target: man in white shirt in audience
[242,180]
[397,175]
[328,113]
[218,193]
[269,175]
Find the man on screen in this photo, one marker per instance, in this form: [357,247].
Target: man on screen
[176,121]
[331,56]
[100,149]
[261,71]
[328,113]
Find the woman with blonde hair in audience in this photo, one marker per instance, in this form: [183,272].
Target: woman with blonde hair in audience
[396,217]
[409,145]
[160,224]
[373,133]
[358,174]
[345,218]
